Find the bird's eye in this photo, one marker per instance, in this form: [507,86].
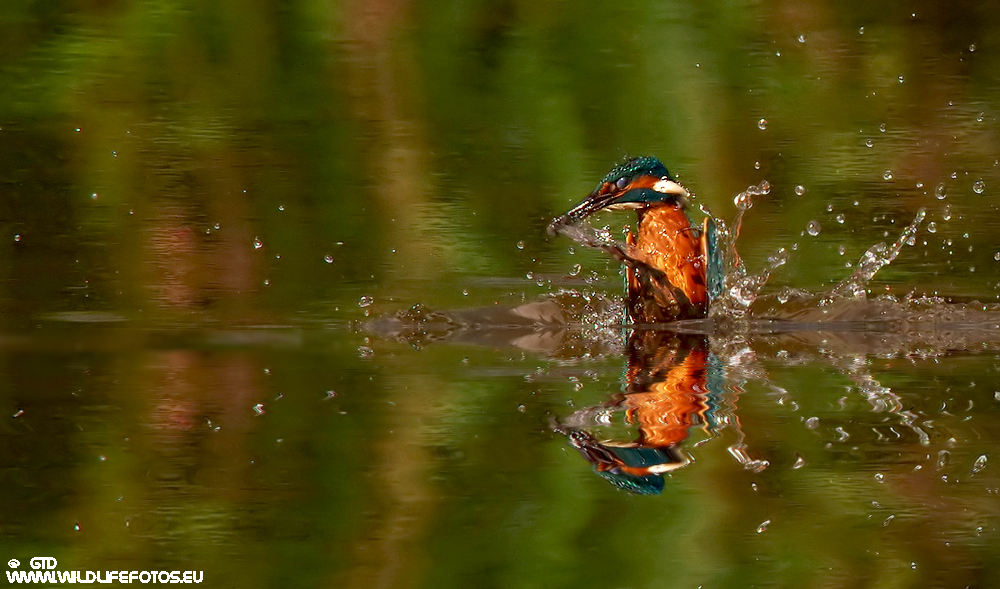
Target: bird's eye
[622,183]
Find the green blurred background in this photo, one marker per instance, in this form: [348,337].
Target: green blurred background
[147,144]
[196,198]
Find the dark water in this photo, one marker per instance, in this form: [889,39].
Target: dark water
[202,206]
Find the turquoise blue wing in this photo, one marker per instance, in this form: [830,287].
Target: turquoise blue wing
[713,258]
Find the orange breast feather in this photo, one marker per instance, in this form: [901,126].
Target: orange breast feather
[667,242]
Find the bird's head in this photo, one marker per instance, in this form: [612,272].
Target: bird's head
[636,183]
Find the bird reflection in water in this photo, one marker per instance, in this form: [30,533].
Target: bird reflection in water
[666,395]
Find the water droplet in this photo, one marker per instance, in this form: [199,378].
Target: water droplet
[257,243]
[765,187]
[879,477]
[780,258]
[799,461]
[216,226]
[972,48]
[900,78]
[762,124]
[840,218]
[869,143]
[575,270]
[267,282]
[861,31]
[17,237]
[979,465]
[20,412]
[756,165]
[114,154]
[800,190]
[841,249]
[330,395]
[763,526]
[932,227]
[802,38]
[888,520]
[328,259]
[981,116]
[520,245]
[94,196]
[365,352]
[366,301]
[522,408]
[946,213]
[76,525]
[940,192]
[996,257]
[812,422]
[813,228]
[281,207]
[743,296]
[887,175]
[881,128]
[258,409]
[978,186]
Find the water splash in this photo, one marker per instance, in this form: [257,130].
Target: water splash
[740,289]
[877,257]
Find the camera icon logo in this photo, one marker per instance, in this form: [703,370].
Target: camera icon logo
[13,563]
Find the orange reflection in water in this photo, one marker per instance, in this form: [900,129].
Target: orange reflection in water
[665,396]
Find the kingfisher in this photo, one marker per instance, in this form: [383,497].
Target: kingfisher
[673,270]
